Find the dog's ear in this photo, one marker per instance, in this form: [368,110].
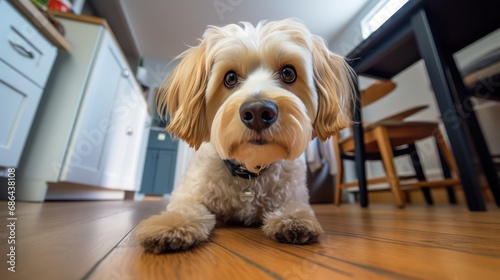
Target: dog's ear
[182,95]
[335,83]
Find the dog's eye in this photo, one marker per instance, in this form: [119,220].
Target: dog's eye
[288,74]
[231,79]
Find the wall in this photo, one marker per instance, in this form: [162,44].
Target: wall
[351,35]
[157,71]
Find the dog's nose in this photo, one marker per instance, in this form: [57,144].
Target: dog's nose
[258,115]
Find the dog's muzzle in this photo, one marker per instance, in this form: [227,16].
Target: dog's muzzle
[259,115]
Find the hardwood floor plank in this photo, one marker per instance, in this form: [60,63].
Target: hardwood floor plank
[55,216]
[389,242]
[295,261]
[95,240]
[478,236]
[411,261]
[207,261]
[76,243]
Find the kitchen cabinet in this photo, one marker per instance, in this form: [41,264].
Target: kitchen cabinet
[89,138]
[26,59]
[159,169]
[126,146]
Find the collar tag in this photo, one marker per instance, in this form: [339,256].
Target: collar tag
[247,195]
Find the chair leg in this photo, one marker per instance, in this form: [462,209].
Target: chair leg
[447,161]
[338,186]
[340,172]
[442,147]
[407,197]
[450,190]
[419,172]
[387,158]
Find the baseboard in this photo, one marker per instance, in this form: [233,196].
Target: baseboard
[72,191]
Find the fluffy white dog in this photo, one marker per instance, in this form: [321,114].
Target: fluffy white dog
[249,99]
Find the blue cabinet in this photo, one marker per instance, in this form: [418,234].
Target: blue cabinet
[159,169]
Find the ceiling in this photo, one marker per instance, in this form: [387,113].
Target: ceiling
[162,29]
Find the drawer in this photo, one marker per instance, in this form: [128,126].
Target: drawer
[23,48]
[161,140]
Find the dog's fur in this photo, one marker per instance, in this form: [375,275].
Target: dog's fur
[202,109]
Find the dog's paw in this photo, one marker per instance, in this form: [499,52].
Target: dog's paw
[173,231]
[292,230]
[168,241]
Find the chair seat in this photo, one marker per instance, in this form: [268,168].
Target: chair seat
[400,133]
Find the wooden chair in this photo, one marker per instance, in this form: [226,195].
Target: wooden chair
[392,137]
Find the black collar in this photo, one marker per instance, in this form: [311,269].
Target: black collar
[240,170]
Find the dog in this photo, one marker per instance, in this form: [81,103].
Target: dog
[249,99]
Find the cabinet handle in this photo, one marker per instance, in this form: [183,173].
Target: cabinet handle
[130,131]
[21,50]
[125,73]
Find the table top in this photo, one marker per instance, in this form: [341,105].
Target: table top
[393,48]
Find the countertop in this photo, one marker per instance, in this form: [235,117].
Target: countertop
[36,17]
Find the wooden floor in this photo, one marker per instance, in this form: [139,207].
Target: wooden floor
[95,240]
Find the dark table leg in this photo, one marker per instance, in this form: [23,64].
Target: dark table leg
[359,151]
[450,94]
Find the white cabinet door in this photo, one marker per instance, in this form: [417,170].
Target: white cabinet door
[116,146]
[19,99]
[123,147]
[84,157]
[142,150]
[135,156]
